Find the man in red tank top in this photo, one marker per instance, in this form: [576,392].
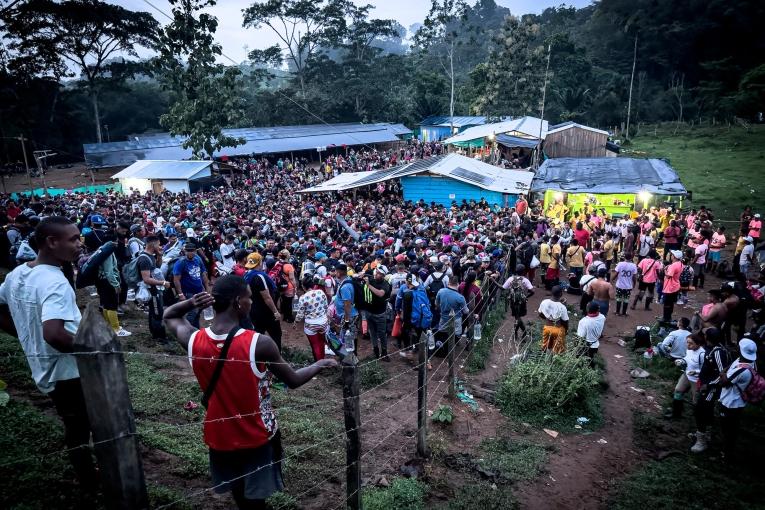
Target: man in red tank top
[240,426]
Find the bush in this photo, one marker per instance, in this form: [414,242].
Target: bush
[403,494]
[547,387]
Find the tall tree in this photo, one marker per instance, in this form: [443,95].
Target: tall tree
[439,33]
[303,27]
[47,37]
[207,96]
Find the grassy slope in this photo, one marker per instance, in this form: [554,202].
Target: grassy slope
[722,166]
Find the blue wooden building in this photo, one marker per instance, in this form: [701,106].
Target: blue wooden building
[445,179]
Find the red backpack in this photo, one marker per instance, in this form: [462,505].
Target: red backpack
[277,275]
[755,390]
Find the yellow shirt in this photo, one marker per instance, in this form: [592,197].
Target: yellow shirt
[544,253]
[740,245]
[575,256]
[555,256]
[634,215]
[608,248]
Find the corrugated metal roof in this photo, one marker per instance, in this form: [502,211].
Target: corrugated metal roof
[257,141]
[525,126]
[445,120]
[608,175]
[454,166]
[152,169]
[570,124]
[517,141]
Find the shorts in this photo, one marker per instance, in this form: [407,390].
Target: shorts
[259,469]
[715,256]
[623,294]
[646,286]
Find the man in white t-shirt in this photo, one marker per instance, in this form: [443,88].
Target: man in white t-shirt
[591,329]
[38,305]
[747,256]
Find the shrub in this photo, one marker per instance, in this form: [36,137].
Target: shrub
[443,414]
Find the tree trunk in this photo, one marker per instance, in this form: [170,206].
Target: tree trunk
[632,80]
[451,99]
[96,116]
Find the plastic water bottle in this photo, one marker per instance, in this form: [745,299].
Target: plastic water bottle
[350,343]
[431,339]
[131,295]
[208,313]
[477,331]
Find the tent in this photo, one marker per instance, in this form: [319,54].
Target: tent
[613,184]
[442,179]
[158,176]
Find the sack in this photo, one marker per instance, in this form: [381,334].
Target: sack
[130,272]
[397,327]
[87,271]
[143,295]
[755,391]
[436,284]
[534,262]
[686,277]
[421,313]
[277,275]
[24,252]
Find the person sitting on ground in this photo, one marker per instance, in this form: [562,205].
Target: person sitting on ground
[555,316]
[245,453]
[590,328]
[691,365]
[674,345]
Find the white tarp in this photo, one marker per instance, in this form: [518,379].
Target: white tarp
[528,126]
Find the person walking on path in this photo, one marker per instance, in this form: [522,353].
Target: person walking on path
[648,274]
[264,316]
[602,291]
[555,316]
[590,328]
[625,275]
[190,278]
[151,279]
[735,381]
[312,309]
[716,360]
[671,284]
[240,426]
[38,305]
[377,311]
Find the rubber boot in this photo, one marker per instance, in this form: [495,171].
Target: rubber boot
[385,355]
[702,442]
[648,301]
[677,410]
[638,298]
[377,352]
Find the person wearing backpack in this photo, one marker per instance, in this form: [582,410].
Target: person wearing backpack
[413,306]
[377,311]
[741,385]
[520,289]
[716,359]
[146,267]
[286,282]
[136,243]
[264,316]
[433,284]
[345,308]
[448,301]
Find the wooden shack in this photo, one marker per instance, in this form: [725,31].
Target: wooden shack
[572,140]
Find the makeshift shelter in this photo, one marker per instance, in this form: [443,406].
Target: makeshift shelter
[442,179]
[572,140]
[612,184]
[173,176]
[438,127]
[264,140]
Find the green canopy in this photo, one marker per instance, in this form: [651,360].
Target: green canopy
[475,144]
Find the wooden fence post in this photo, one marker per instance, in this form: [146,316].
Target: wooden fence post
[422,397]
[105,387]
[451,344]
[352,412]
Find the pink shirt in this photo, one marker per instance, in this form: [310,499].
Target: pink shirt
[648,269]
[672,277]
[754,228]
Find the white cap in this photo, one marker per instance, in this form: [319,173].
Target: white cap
[677,254]
[748,239]
[748,349]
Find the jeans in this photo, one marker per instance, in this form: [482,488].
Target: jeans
[378,329]
[603,306]
[156,311]
[730,421]
[669,305]
[70,406]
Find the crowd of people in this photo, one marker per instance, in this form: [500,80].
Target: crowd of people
[257,256]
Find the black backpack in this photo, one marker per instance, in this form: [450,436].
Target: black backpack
[362,297]
[642,338]
[436,284]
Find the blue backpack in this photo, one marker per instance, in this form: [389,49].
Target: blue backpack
[422,316]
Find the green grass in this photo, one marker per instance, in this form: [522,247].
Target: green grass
[722,166]
[512,459]
[372,373]
[483,496]
[403,494]
[480,351]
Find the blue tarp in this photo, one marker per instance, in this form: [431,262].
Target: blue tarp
[517,141]
[608,175]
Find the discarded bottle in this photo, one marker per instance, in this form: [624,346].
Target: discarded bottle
[477,331]
[431,339]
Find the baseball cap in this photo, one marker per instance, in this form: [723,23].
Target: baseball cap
[190,247]
[97,219]
[748,239]
[382,269]
[677,254]
[135,229]
[748,349]
[320,255]
[253,260]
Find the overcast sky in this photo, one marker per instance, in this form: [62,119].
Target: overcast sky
[234,38]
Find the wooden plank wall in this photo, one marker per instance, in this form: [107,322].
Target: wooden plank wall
[575,143]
